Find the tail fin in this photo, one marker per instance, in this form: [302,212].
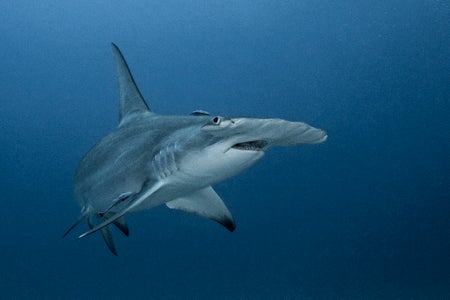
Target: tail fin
[107,236]
[120,223]
[75,224]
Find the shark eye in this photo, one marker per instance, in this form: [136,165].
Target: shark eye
[216,120]
[216,123]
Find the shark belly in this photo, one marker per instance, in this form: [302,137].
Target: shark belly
[172,179]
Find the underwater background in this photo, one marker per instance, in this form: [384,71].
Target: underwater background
[365,215]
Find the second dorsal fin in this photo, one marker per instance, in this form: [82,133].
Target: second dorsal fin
[131,101]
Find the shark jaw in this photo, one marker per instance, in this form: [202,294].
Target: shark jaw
[258,145]
[221,160]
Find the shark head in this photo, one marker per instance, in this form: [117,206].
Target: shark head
[152,159]
[231,145]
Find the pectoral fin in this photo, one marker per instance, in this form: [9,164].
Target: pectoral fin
[205,203]
[123,206]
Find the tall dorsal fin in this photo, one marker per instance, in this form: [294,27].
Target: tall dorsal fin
[130,98]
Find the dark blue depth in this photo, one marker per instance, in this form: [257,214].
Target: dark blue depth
[366,215]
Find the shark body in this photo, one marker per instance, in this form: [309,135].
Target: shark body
[153,159]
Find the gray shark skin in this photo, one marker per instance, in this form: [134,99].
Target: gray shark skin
[153,159]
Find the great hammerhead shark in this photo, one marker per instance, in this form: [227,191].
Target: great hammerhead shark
[153,159]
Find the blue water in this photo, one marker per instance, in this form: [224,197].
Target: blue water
[365,215]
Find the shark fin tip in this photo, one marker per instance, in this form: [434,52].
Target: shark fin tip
[228,224]
[78,221]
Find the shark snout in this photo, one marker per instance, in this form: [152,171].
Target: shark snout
[275,132]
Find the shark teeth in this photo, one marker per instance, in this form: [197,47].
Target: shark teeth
[251,146]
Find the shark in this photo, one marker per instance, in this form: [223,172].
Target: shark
[152,159]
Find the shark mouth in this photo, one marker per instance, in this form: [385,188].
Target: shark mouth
[251,146]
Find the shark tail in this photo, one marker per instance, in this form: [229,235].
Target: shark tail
[107,236]
[75,224]
[120,223]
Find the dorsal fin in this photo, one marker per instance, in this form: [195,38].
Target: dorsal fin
[199,112]
[130,98]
